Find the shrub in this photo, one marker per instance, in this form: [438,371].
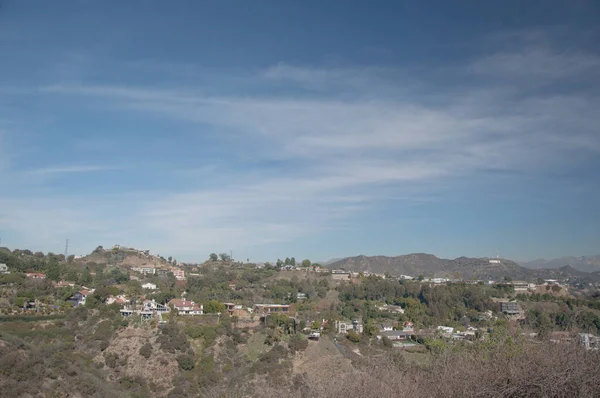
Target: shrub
[146,350]
[353,336]
[185,361]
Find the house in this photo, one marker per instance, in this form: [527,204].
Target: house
[589,341]
[232,285]
[149,286]
[509,307]
[560,337]
[187,307]
[395,309]
[161,272]
[408,327]
[78,298]
[3,268]
[63,284]
[271,308]
[347,326]
[301,296]
[147,270]
[341,275]
[386,327]
[445,330]
[120,299]
[179,274]
[35,275]
[394,335]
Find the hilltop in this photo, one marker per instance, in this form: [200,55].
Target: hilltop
[124,257]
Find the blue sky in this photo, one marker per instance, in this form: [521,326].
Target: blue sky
[307,129]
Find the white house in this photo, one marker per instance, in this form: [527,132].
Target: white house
[347,326]
[187,307]
[149,286]
[445,329]
[386,327]
[3,269]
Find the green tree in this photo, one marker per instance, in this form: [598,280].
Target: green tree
[71,258]
[279,262]
[306,263]
[53,272]
[170,259]
[213,257]
[292,261]
[288,261]
[214,307]
[225,257]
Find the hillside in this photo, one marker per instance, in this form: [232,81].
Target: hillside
[583,263]
[123,257]
[431,266]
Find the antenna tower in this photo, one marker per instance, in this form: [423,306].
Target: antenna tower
[66,249]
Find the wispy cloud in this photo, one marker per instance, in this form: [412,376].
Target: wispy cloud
[72,169]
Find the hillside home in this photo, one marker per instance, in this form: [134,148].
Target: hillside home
[120,299]
[3,268]
[271,308]
[341,275]
[149,286]
[301,296]
[509,307]
[445,330]
[179,274]
[187,307]
[589,341]
[394,335]
[35,275]
[347,326]
[78,298]
[147,270]
[386,327]
[395,309]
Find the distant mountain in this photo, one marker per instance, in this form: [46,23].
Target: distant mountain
[583,263]
[429,265]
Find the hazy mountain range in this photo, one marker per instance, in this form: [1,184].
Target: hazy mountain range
[583,263]
[429,265]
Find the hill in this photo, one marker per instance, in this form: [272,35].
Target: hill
[582,263]
[124,257]
[429,265]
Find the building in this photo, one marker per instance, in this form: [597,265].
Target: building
[341,275]
[147,270]
[79,298]
[271,308]
[347,326]
[589,341]
[187,307]
[63,284]
[394,335]
[3,268]
[35,275]
[522,286]
[386,327]
[395,309]
[149,286]
[509,307]
[179,274]
[301,296]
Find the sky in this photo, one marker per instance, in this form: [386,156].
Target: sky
[301,128]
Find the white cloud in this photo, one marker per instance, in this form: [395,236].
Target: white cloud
[71,169]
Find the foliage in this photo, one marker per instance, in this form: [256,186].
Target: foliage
[353,336]
[146,350]
[214,307]
[186,361]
